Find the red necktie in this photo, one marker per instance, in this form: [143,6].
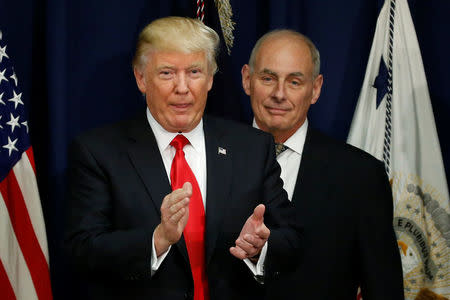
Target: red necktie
[194,231]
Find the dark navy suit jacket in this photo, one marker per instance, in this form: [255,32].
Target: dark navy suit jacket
[344,200]
[117,184]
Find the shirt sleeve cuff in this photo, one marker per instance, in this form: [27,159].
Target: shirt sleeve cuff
[157,261]
[258,269]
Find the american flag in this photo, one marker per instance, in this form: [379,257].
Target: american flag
[24,270]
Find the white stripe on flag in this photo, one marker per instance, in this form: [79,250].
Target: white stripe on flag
[28,186]
[12,258]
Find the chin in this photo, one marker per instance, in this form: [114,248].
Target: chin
[183,126]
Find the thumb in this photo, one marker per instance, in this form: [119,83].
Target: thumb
[258,212]
[187,186]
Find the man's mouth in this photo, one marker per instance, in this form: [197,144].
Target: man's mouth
[276,110]
[181,106]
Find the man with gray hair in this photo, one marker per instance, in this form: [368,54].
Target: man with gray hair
[341,194]
[173,204]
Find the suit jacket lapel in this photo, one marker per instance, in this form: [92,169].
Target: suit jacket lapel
[146,159]
[313,162]
[219,170]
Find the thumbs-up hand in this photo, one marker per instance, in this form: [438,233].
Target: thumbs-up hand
[253,236]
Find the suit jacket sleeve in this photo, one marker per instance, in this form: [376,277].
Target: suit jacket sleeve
[381,278]
[90,238]
[285,240]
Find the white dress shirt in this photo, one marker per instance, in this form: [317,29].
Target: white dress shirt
[195,154]
[290,159]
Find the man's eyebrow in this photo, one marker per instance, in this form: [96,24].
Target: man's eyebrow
[196,65]
[297,74]
[268,72]
[273,73]
[165,67]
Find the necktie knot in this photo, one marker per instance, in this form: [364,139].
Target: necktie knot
[279,148]
[179,142]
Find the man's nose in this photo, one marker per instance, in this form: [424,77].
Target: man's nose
[278,92]
[181,84]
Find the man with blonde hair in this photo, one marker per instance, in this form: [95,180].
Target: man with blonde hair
[342,194]
[174,204]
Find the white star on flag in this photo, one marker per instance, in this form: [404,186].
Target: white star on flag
[25,123]
[1,99]
[14,122]
[14,77]
[0,124]
[11,146]
[3,53]
[16,99]
[2,75]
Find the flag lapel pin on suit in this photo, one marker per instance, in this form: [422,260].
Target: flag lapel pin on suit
[221,151]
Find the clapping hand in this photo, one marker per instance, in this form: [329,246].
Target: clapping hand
[174,217]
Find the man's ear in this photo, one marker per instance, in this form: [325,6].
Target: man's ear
[140,79]
[317,88]
[245,72]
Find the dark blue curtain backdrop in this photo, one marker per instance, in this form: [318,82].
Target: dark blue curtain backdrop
[73,58]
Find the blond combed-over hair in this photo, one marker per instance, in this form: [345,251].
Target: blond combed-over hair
[178,34]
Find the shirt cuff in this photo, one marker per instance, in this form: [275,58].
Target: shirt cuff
[258,269]
[157,261]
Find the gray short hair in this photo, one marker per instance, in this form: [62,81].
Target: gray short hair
[315,55]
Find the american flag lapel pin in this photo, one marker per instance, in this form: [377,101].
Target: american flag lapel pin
[222,151]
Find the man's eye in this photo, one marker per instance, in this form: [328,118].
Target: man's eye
[267,79]
[165,74]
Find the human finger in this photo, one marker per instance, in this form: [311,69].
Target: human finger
[178,195]
[238,252]
[174,208]
[258,213]
[247,247]
[262,231]
[255,241]
[176,217]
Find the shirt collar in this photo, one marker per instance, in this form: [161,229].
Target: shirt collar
[163,137]
[295,142]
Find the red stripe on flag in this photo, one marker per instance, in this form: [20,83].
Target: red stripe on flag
[20,220]
[30,155]
[359,296]
[6,289]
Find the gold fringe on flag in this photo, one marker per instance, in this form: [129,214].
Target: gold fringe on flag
[227,24]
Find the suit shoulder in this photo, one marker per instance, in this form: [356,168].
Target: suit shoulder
[235,128]
[106,135]
[342,151]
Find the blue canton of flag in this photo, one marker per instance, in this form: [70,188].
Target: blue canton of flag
[14,139]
